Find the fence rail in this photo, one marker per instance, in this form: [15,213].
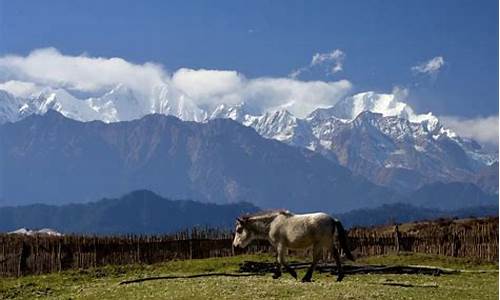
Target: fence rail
[22,255]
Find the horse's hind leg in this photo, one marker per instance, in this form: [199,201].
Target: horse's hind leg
[316,255]
[277,272]
[281,261]
[340,271]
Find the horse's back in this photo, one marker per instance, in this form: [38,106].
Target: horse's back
[314,219]
[302,230]
[314,216]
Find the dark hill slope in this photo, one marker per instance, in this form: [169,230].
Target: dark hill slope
[54,160]
[140,212]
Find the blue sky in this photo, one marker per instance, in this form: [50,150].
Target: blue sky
[381,41]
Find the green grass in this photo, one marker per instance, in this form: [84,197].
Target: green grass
[429,260]
[102,283]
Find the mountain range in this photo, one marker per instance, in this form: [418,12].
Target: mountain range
[379,138]
[144,212]
[139,212]
[374,135]
[55,160]
[52,159]
[388,214]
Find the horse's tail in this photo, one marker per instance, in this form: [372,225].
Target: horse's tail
[343,239]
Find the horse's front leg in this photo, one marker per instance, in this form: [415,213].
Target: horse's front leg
[316,256]
[277,272]
[340,271]
[282,262]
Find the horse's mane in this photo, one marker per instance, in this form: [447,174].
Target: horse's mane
[268,213]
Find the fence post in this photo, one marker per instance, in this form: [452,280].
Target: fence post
[397,236]
[59,259]
[190,248]
[138,250]
[95,251]
[23,256]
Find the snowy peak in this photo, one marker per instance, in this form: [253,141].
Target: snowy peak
[59,100]
[388,105]
[171,102]
[30,232]
[118,104]
[395,127]
[324,114]
[279,125]
[385,104]
[238,112]
[396,152]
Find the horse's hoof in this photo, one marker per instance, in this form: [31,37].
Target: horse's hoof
[276,276]
[306,279]
[340,277]
[294,275]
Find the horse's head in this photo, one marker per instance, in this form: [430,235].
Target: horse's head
[243,235]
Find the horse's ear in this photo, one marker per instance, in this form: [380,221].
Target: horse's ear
[239,220]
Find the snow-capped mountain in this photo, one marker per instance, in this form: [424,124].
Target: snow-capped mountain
[59,100]
[385,104]
[376,136]
[373,134]
[385,149]
[118,104]
[30,232]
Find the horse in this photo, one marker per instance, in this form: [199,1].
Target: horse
[285,230]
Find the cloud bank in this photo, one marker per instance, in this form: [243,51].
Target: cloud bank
[430,67]
[483,130]
[24,75]
[51,68]
[210,87]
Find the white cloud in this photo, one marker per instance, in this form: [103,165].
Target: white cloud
[430,67]
[210,87]
[335,59]
[19,88]
[298,97]
[203,83]
[332,61]
[49,67]
[483,130]
[296,73]
[22,75]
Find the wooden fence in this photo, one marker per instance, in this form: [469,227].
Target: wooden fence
[475,239]
[21,255]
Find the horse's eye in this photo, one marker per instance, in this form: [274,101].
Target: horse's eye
[239,230]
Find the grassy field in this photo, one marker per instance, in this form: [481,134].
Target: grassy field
[103,283]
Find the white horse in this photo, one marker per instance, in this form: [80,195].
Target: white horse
[285,230]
